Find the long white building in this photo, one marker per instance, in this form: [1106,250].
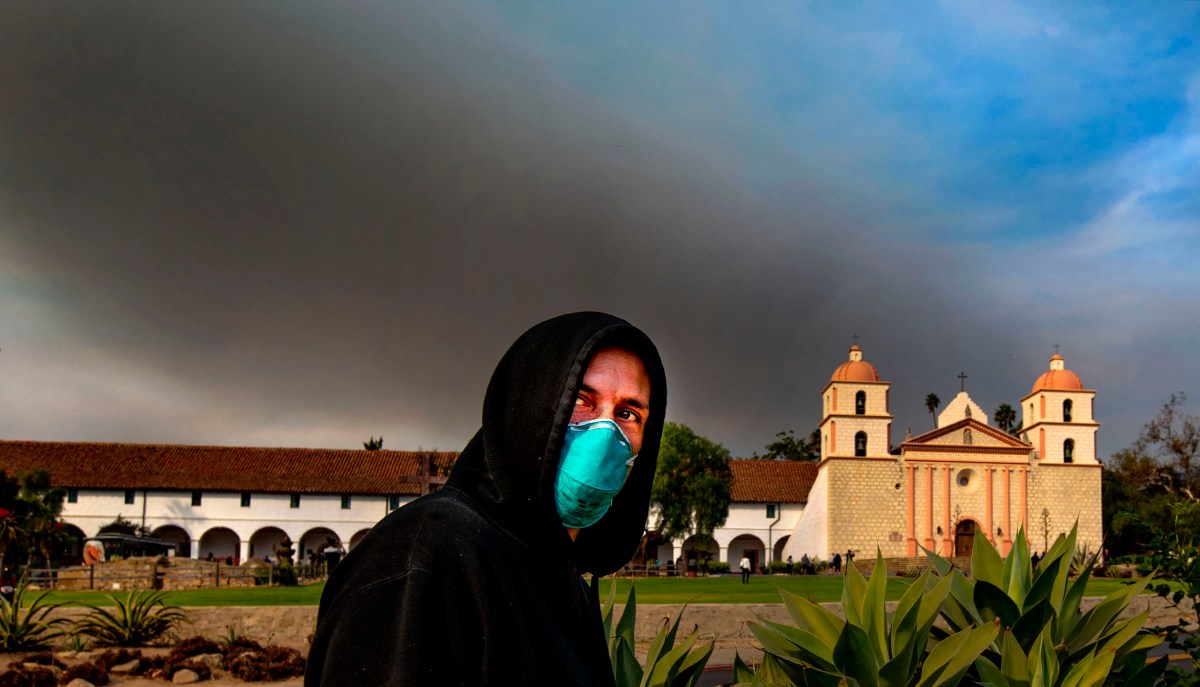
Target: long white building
[242,501]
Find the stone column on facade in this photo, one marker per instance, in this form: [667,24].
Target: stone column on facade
[991,527]
[947,537]
[1025,498]
[912,511]
[1006,543]
[244,551]
[723,555]
[930,543]
[196,549]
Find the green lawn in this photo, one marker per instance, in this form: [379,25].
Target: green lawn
[651,590]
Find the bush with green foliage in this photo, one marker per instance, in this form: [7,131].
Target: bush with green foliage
[718,567]
[667,664]
[25,626]
[1007,625]
[1173,555]
[1045,634]
[140,618]
[863,647]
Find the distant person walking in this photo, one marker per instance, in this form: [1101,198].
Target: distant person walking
[333,553]
[790,566]
[745,566]
[837,563]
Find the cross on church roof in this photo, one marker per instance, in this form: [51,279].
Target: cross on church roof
[962,381]
[1055,349]
[855,337]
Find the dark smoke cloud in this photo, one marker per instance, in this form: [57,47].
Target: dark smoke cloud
[340,215]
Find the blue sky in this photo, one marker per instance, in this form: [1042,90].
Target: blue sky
[197,207]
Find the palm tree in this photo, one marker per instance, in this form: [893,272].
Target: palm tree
[1005,416]
[931,404]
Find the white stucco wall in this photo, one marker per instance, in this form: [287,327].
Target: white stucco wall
[317,516]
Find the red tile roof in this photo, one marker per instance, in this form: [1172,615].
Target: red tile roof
[170,467]
[219,468]
[772,481]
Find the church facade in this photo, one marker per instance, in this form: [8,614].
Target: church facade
[936,490]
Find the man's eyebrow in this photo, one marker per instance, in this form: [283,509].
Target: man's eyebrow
[636,403]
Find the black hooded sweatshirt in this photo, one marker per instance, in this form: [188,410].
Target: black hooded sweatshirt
[479,583]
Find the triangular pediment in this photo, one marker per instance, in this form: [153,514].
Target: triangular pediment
[967,433]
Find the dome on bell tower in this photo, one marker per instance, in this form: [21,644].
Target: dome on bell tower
[1058,377]
[855,369]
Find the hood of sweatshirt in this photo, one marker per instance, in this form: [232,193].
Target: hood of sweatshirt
[509,467]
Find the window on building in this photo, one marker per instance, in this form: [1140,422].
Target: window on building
[245,499]
[1067,407]
[860,403]
[770,510]
[295,503]
[860,444]
[197,498]
[393,502]
[1069,451]
[72,496]
[129,495]
[345,502]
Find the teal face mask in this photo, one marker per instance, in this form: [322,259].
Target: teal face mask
[595,460]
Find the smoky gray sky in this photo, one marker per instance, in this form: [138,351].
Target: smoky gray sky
[303,224]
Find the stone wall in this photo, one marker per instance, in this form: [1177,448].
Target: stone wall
[153,573]
[726,623]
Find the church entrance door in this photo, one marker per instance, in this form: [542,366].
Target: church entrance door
[964,538]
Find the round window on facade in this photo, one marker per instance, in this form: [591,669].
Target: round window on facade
[966,479]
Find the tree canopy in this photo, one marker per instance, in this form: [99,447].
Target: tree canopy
[787,446]
[692,485]
[1005,417]
[1159,469]
[30,507]
[931,404]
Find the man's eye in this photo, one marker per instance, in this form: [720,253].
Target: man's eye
[628,415]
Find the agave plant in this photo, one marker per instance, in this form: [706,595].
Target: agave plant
[667,664]
[866,647]
[1046,640]
[28,629]
[138,619]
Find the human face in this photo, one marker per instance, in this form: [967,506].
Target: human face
[615,387]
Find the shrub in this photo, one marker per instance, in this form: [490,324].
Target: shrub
[44,658]
[139,619]
[111,658]
[270,664]
[667,665]
[21,631]
[718,568]
[172,667]
[91,671]
[777,567]
[193,646]
[237,646]
[1043,626]
[863,647]
[20,677]
[1005,626]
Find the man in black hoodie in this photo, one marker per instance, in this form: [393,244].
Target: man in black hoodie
[480,583]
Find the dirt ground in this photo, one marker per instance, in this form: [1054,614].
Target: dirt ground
[219,679]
